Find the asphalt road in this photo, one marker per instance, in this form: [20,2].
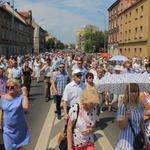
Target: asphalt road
[44,126]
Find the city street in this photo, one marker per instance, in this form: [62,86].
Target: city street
[45,127]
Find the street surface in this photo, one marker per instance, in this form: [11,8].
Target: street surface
[44,126]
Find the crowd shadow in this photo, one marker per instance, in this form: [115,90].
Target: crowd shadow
[34,86]
[31,99]
[103,122]
[97,136]
[35,94]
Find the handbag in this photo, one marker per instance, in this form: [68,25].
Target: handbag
[62,140]
[138,142]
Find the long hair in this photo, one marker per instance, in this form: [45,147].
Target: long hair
[132,87]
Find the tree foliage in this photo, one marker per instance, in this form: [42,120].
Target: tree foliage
[93,40]
[50,44]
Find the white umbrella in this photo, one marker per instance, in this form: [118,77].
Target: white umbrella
[116,83]
[118,58]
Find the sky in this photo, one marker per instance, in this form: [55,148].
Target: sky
[63,18]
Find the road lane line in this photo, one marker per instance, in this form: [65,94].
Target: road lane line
[46,130]
[57,120]
[102,139]
[54,142]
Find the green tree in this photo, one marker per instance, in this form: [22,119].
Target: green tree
[94,40]
[50,44]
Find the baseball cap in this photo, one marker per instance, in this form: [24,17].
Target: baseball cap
[75,71]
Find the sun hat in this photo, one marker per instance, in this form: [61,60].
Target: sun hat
[75,71]
[117,67]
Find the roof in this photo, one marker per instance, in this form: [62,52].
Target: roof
[9,9]
[24,15]
[113,5]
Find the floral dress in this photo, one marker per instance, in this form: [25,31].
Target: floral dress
[125,141]
[85,119]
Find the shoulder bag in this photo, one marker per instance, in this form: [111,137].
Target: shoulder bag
[62,140]
[138,141]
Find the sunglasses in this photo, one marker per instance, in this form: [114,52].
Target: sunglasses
[61,67]
[80,63]
[10,87]
[133,91]
[90,77]
[79,75]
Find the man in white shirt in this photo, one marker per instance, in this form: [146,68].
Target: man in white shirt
[71,94]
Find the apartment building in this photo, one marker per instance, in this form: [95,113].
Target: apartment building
[113,27]
[133,28]
[39,38]
[15,37]
[79,36]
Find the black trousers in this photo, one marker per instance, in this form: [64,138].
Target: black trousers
[58,102]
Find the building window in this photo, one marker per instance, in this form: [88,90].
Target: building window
[135,36]
[141,31]
[121,6]
[126,19]
[130,17]
[125,35]
[136,14]
[140,50]
[141,11]
[135,51]
[3,34]
[128,50]
[120,36]
[129,35]
[121,21]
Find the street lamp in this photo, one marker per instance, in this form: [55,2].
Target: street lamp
[13,27]
[104,29]
[40,21]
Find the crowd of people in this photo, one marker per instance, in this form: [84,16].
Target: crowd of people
[72,78]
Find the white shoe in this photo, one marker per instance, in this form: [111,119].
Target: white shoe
[101,111]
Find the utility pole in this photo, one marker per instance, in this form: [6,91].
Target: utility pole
[12,29]
[104,30]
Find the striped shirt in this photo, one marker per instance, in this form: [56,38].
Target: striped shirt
[125,141]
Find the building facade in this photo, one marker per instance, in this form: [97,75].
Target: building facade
[79,36]
[16,36]
[39,38]
[133,36]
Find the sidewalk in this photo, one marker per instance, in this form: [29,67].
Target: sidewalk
[50,132]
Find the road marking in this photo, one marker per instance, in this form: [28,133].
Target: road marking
[54,142]
[43,140]
[46,130]
[102,139]
[57,120]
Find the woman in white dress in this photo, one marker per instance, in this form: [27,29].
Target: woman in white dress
[36,66]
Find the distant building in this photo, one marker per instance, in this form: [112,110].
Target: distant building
[80,39]
[39,38]
[129,30]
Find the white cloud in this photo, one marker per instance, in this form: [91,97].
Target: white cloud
[63,18]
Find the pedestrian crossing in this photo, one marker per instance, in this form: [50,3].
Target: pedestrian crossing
[48,139]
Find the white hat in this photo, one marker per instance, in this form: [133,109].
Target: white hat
[117,67]
[75,71]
